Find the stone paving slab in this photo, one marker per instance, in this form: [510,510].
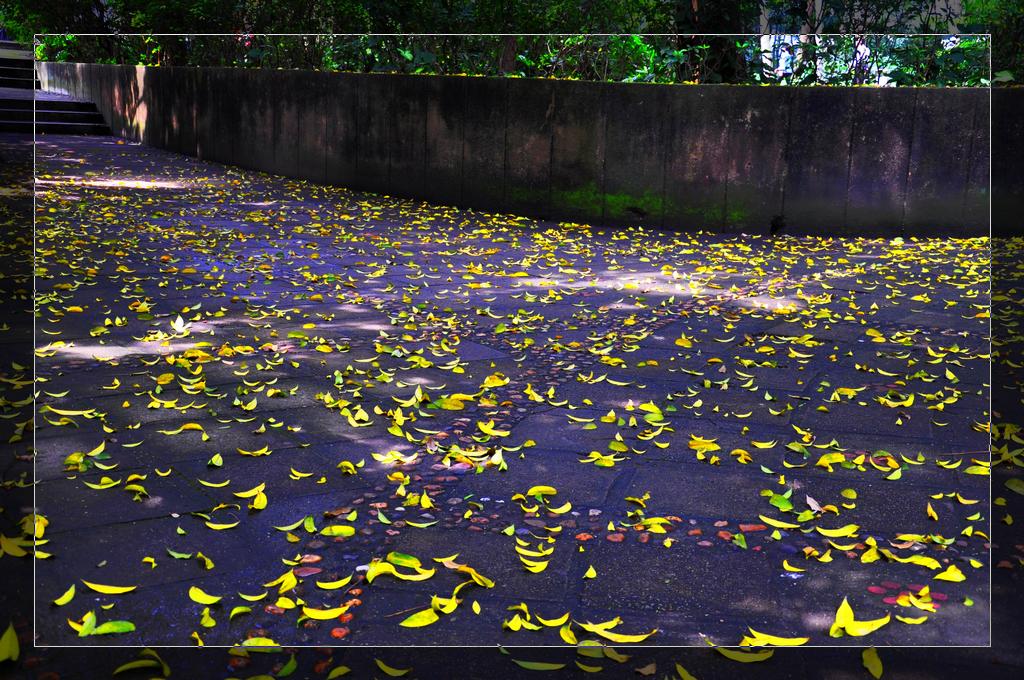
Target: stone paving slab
[456,359]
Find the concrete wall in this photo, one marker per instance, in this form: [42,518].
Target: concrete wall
[1007,161]
[830,160]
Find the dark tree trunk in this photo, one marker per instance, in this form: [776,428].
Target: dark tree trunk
[509,49]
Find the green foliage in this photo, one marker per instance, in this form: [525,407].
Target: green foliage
[602,40]
[918,60]
[1004,19]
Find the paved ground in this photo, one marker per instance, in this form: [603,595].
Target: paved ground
[709,435]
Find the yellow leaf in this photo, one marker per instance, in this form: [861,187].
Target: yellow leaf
[951,573]
[840,532]
[377,568]
[683,673]
[602,630]
[745,657]
[760,639]
[541,491]
[846,622]
[253,598]
[553,623]
[489,429]
[109,590]
[221,527]
[779,524]
[338,530]
[844,615]
[214,485]
[198,595]
[495,380]
[260,642]
[324,614]
[393,672]
[251,492]
[333,585]
[870,659]
[238,611]
[66,597]
[829,459]
[539,665]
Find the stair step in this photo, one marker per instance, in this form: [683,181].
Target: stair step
[48,104]
[20,83]
[16,72]
[15,54]
[43,114]
[16,49]
[26,127]
[11,62]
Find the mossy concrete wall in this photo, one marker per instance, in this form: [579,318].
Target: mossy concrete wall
[1007,161]
[828,161]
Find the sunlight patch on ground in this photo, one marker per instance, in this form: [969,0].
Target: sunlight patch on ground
[114,183]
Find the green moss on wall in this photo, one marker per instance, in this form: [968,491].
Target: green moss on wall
[590,200]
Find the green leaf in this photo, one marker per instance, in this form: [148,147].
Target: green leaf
[539,665]
[1015,484]
[391,670]
[88,624]
[113,627]
[288,668]
[420,619]
[403,560]
[9,649]
[138,663]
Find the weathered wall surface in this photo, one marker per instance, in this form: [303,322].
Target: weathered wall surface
[832,161]
[1008,161]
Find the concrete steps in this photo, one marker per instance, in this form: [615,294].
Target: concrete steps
[13,50]
[18,84]
[16,66]
[54,128]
